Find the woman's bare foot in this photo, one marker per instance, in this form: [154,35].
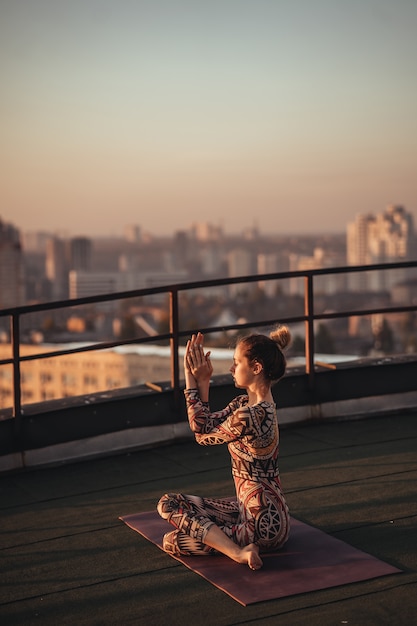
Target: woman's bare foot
[250,555]
[216,538]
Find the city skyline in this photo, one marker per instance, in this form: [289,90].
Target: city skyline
[291,117]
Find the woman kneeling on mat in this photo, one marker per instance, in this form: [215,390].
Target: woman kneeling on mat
[258,519]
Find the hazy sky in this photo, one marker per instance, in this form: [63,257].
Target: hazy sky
[294,115]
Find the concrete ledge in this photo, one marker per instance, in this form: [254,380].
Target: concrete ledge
[144,437]
[355,408]
[93,447]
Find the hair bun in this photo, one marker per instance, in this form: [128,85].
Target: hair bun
[281,335]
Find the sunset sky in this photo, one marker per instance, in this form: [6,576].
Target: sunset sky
[291,115]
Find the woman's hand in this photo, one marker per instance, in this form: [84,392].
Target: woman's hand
[197,365]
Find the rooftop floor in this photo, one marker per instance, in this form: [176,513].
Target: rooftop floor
[65,558]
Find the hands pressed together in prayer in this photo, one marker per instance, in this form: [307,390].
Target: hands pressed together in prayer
[197,364]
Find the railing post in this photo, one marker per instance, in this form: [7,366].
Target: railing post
[17,392]
[309,328]
[174,343]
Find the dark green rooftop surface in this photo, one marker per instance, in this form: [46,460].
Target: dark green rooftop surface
[65,557]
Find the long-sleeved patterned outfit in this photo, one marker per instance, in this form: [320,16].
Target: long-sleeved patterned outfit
[259,514]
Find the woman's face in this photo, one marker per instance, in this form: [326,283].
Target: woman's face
[242,372]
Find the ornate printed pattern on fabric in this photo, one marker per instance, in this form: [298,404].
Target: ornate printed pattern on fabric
[259,514]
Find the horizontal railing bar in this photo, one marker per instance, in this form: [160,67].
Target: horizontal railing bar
[90,347]
[364,312]
[210,330]
[252,278]
[143,340]
[213,329]
[7,361]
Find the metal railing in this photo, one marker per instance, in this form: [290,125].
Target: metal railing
[175,333]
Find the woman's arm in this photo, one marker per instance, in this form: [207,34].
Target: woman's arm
[197,367]
[224,426]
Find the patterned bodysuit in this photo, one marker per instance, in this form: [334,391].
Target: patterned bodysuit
[259,514]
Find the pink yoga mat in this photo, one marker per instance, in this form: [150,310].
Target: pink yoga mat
[311,560]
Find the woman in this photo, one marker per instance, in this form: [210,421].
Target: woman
[258,519]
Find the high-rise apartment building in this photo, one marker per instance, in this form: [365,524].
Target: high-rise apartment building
[80,252]
[271,263]
[392,236]
[12,280]
[83,284]
[240,262]
[57,268]
[211,260]
[385,238]
[62,256]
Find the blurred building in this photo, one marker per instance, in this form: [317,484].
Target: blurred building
[388,237]
[12,279]
[62,257]
[91,372]
[357,250]
[240,262]
[182,250]
[211,259]
[56,265]
[204,231]
[326,284]
[133,233]
[80,253]
[77,374]
[271,263]
[83,284]
[35,241]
